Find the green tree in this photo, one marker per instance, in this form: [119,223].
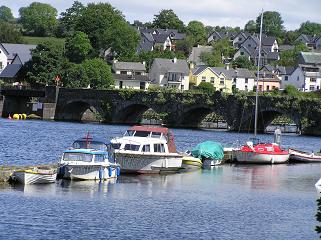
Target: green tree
[46,63]
[206,87]
[70,18]
[212,59]
[197,32]
[5,14]
[9,34]
[250,26]
[97,20]
[74,76]
[243,62]
[310,28]
[290,57]
[272,24]
[78,47]
[98,72]
[122,39]
[39,19]
[168,19]
[291,90]
[290,37]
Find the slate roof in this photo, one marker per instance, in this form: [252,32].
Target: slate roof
[129,66]
[310,58]
[229,73]
[23,50]
[168,65]
[160,38]
[125,77]
[10,71]
[268,41]
[196,53]
[285,47]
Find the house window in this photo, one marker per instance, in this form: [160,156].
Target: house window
[221,81]
[246,88]
[260,88]
[123,72]
[249,45]
[240,39]
[120,84]
[312,88]
[142,85]
[313,80]
[246,80]
[267,87]
[242,53]
[212,80]
[298,78]
[138,73]
[203,79]
[286,78]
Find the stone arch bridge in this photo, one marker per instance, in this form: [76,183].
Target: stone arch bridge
[183,109]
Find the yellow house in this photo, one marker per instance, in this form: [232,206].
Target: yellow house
[220,81]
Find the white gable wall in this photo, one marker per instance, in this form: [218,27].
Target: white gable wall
[3,59]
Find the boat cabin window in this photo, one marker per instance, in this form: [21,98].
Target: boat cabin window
[78,157]
[132,147]
[129,133]
[156,134]
[146,148]
[116,145]
[89,144]
[99,158]
[159,147]
[142,134]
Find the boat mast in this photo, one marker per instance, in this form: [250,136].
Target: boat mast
[257,78]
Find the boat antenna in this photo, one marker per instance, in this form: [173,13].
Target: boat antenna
[257,78]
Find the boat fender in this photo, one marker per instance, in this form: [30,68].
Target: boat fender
[110,171]
[118,171]
[101,173]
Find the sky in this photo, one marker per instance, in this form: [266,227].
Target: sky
[234,13]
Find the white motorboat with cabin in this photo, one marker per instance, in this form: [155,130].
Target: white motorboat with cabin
[147,149]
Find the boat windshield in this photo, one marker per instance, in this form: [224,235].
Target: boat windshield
[129,133]
[116,145]
[142,134]
[255,141]
[89,144]
[132,147]
[84,157]
[156,135]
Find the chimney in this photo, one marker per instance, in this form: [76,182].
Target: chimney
[174,60]
[115,60]
[227,66]
[144,63]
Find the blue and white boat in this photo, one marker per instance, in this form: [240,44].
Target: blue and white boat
[88,159]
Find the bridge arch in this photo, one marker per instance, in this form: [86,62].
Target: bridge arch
[192,117]
[79,110]
[131,114]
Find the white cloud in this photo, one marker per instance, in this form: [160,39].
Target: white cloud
[210,12]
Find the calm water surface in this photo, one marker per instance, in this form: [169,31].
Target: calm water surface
[226,202]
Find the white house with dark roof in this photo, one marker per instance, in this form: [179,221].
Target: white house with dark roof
[12,58]
[240,38]
[215,36]
[129,68]
[304,78]
[170,73]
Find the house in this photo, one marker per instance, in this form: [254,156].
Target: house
[195,56]
[170,73]
[252,54]
[218,79]
[129,68]
[243,79]
[307,40]
[122,81]
[305,78]
[16,55]
[268,82]
[310,58]
[215,36]
[317,42]
[240,38]
[160,39]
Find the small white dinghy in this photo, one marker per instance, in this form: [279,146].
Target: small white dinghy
[300,156]
[35,176]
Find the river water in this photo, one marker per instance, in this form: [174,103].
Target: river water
[225,202]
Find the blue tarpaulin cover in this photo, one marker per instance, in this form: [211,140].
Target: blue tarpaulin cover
[208,150]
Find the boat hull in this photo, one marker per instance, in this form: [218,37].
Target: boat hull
[211,162]
[148,163]
[191,163]
[34,178]
[264,158]
[96,172]
[299,156]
